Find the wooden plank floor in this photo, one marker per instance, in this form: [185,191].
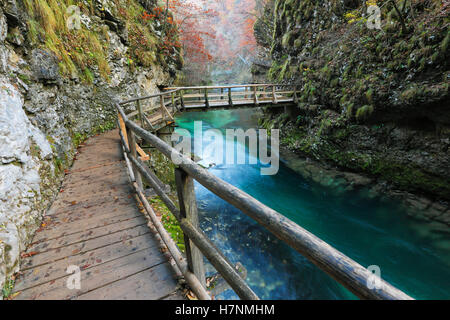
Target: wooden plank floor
[95,224]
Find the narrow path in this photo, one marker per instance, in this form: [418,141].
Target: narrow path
[95,224]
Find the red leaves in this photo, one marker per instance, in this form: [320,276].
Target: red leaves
[147,16]
[28,254]
[85,266]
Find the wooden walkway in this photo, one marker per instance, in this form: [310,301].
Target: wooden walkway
[96,225]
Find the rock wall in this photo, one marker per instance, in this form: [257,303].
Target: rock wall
[370,101]
[45,113]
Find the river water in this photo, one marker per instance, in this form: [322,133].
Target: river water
[412,255]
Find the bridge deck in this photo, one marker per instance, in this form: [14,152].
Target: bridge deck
[95,224]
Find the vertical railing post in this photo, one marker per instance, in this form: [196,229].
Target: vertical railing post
[230,100]
[188,210]
[221,93]
[295,97]
[174,106]
[206,98]
[141,118]
[132,146]
[245,92]
[181,98]
[161,103]
[274,96]
[255,97]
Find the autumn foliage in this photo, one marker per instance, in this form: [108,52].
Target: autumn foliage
[214,34]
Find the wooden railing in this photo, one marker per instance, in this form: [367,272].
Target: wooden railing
[235,95]
[340,267]
[154,115]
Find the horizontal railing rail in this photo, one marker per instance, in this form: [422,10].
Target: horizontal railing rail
[344,270]
[165,93]
[231,86]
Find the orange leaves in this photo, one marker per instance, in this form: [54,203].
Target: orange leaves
[28,254]
[148,16]
[195,29]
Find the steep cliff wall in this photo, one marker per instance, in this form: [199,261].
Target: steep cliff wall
[57,86]
[371,101]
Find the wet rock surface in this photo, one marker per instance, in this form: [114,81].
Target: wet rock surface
[340,182]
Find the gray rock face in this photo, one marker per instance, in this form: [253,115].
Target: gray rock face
[41,115]
[11,12]
[22,148]
[44,65]
[3,27]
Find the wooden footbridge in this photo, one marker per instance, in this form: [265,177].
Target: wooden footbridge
[103,225]
[156,111]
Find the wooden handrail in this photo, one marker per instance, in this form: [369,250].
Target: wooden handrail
[228,86]
[210,96]
[343,269]
[143,155]
[147,97]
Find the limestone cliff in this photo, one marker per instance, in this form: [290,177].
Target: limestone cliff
[373,101]
[57,85]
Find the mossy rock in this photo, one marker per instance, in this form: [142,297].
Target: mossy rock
[363,113]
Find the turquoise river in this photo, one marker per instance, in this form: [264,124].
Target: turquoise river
[412,255]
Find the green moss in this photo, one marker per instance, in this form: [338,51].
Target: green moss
[88,75]
[169,222]
[410,94]
[86,49]
[58,165]
[334,83]
[349,110]
[287,39]
[411,178]
[277,71]
[325,124]
[7,288]
[78,138]
[363,113]
[105,126]
[163,168]
[342,134]
[24,78]
[369,96]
